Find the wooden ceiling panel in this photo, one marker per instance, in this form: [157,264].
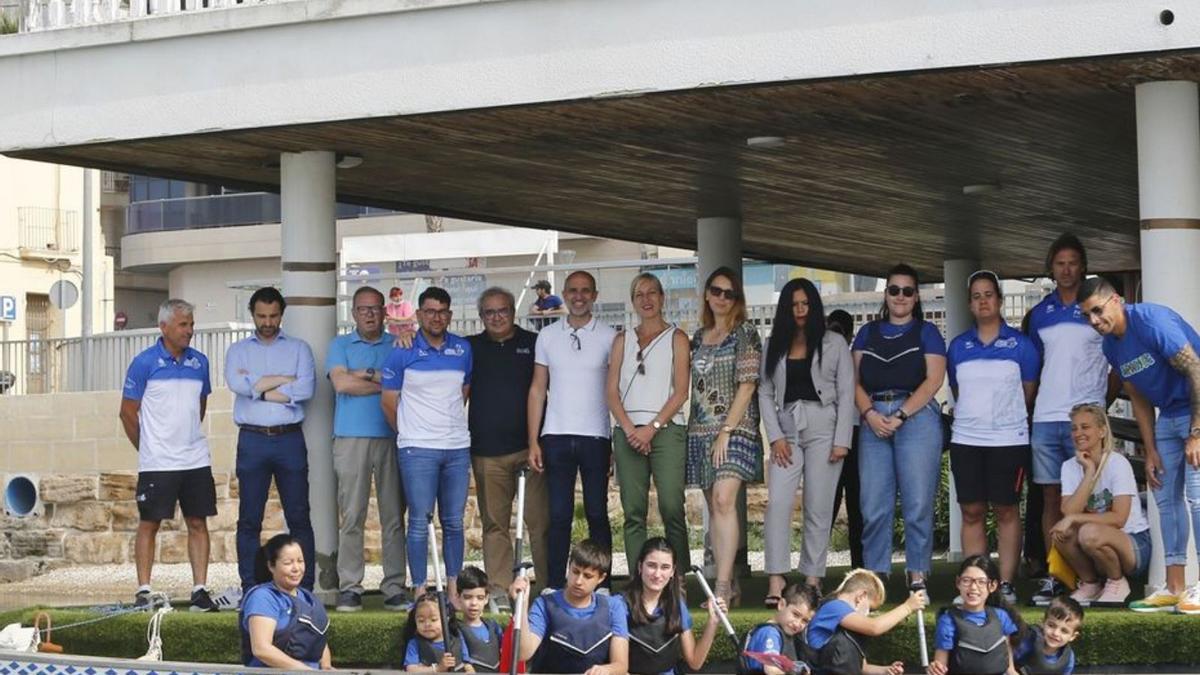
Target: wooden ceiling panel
[872,171]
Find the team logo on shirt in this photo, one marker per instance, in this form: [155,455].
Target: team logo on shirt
[162,363]
[192,362]
[1131,368]
[1005,343]
[523,350]
[130,384]
[454,351]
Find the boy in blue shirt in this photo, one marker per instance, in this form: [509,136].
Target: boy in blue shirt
[575,630]
[1047,648]
[1154,351]
[482,636]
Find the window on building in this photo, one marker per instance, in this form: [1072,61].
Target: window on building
[37,329]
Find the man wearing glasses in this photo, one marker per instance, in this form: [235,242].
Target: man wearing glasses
[569,386]
[502,371]
[1154,351]
[362,450]
[425,389]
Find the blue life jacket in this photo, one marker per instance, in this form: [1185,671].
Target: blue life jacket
[892,364]
[573,645]
[301,636]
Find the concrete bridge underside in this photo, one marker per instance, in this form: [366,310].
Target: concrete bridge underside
[631,119]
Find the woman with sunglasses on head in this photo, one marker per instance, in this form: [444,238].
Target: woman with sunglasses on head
[900,361]
[647,387]
[993,370]
[806,393]
[724,449]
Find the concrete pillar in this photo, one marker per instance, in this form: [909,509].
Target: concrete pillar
[88,281]
[958,319]
[719,244]
[309,266]
[1168,138]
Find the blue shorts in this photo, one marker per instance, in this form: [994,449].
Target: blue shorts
[1052,445]
[1141,553]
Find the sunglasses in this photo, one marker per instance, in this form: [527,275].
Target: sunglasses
[575,343]
[718,292]
[895,290]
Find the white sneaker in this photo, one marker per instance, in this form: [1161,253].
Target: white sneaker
[230,598]
[1190,604]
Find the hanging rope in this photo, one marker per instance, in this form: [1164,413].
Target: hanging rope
[154,653]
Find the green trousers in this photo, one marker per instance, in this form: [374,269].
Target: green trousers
[665,464]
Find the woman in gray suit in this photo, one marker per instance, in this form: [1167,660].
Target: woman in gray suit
[806,393]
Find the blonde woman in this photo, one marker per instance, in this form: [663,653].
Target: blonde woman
[1103,533]
[647,387]
[724,448]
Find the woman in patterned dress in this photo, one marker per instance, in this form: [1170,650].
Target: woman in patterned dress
[724,446]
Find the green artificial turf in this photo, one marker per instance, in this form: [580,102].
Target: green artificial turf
[372,637]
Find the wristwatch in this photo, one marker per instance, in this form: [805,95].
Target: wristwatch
[1195,432]
[901,414]
[657,425]
[370,373]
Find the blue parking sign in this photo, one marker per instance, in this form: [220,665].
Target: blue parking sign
[8,308]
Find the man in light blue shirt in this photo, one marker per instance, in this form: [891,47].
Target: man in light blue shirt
[362,449]
[271,375]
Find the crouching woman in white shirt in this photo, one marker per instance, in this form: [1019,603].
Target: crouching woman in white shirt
[1103,534]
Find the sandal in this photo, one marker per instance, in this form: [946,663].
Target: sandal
[772,601]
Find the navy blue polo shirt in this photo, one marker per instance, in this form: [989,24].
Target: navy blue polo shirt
[500,378]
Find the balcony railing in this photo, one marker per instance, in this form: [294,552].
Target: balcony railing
[112,182]
[45,231]
[226,210]
[40,15]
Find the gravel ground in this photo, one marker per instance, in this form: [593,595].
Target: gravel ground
[99,584]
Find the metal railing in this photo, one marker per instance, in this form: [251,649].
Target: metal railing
[47,229]
[53,365]
[224,210]
[40,15]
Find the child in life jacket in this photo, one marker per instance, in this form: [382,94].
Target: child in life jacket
[974,638]
[574,629]
[778,635]
[482,636]
[426,649]
[842,624]
[1046,649]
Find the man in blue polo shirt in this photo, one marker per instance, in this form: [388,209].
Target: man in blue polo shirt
[425,389]
[271,375]
[362,449]
[1073,371]
[162,406]
[1155,352]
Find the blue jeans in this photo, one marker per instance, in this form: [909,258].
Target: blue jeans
[432,475]
[1180,491]
[259,459]
[911,461]
[1052,445]
[564,456]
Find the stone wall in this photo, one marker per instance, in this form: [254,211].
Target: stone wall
[73,447]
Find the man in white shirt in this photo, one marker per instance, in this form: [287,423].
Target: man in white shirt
[162,406]
[569,376]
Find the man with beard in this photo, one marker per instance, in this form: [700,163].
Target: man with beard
[271,375]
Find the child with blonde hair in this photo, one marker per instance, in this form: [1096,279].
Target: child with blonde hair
[842,623]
